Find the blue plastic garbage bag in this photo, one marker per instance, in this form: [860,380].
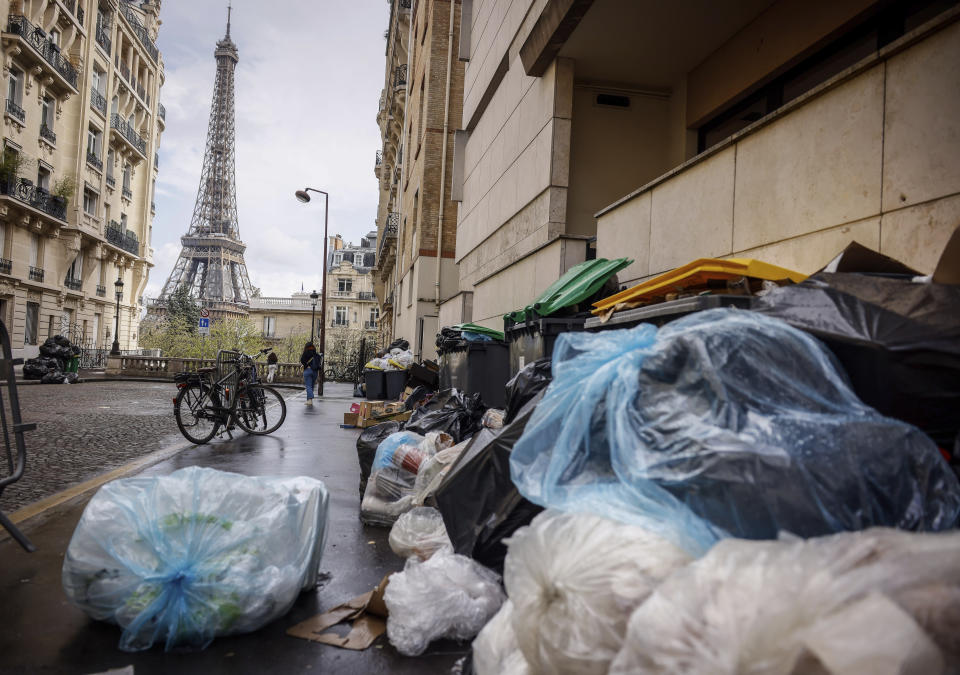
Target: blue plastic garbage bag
[724,423]
[183,558]
[389,445]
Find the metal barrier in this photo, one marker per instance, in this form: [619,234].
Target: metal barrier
[12,433]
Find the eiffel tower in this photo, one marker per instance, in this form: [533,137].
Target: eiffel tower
[211,261]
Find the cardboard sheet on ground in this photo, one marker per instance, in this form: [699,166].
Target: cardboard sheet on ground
[368,615]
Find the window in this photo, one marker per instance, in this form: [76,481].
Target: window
[126,176]
[96,330]
[340,316]
[337,259]
[344,285]
[123,222]
[374,317]
[13,85]
[43,177]
[94,142]
[90,202]
[47,113]
[75,271]
[410,293]
[3,238]
[115,105]
[55,38]
[269,326]
[98,80]
[33,319]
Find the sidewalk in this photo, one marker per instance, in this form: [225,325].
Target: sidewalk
[43,632]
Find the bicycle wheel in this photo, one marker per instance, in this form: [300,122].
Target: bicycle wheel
[260,410]
[195,412]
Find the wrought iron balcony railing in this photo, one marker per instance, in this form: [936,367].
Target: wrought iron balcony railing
[44,46]
[156,159]
[366,295]
[114,233]
[24,191]
[379,160]
[16,111]
[98,101]
[73,284]
[36,273]
[400,77]
[127,192]
[389,232]
[140,31]
[5,266]
[111,181]
[124,68]
[153,207]
[129,134]
[101,291]
[405,4]
[94,161]
[370,325]
[131,243]
[80,15]
[47,134]
[103,38]
[339,324]
[162,112]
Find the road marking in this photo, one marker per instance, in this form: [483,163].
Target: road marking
[55,500]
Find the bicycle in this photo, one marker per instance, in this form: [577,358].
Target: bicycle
[345,372]
[234,397]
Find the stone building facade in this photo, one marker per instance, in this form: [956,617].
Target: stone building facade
[82,85]
[420,110]
[774,129]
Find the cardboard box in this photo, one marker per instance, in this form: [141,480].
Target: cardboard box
[365,422]
[351,419]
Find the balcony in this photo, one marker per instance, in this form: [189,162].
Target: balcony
[140,31]
[114,233]
[370,325]
[94,161]
[366,295]
[156,160]
[123,130]
[73,284]
[36,274]
[126,192]
[123,67]
[98,101]
[38,198]
[103,38]
[339,324]
[16,112]
[101,291]
[131,243]
[341,294]
[400,76]
[377,163]
[111,181]
[46,133]
[161,112]
[48,51]
[405,4]
[5,266]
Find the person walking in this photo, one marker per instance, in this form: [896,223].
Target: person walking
[311,367]
[272,361]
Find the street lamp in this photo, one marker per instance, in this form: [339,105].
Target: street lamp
[303,196]
[118,286]
[313,320]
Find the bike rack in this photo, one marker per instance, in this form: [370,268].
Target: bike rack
[16,428]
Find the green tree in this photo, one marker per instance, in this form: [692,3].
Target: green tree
[181,307]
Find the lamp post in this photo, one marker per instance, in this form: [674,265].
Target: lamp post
[313,320]
[303,196]
[118,286]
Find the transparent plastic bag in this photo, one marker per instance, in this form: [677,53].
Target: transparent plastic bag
[419,533]
[573,580]
[181,559]
[772,607]
[495,650]
[724,423]
[493,418]
[389,446]
[433,470]
[445,596]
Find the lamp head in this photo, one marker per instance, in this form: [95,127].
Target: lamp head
[302,196]
[314,296]
[118,284]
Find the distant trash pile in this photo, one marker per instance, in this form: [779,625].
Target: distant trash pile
[57,363]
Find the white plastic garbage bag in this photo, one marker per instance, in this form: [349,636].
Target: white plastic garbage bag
[183,558]
[446,596]
[433,470]
[877,601]
[419,533]
[574,580]
[495,651]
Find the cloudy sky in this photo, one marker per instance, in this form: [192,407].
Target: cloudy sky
[307,88]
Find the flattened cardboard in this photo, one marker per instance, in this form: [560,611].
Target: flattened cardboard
[858,258]
[368,612]
[948,269]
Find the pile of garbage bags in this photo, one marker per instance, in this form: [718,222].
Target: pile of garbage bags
[184,558]
[393,359]
[51,366]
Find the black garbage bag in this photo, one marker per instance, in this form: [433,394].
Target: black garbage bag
[898,341]
[416,397]
[479,502]
[400,344]
[449,338]
[34,370]
[530,381]
[53,377]
[72,378]
[449,411]
[367,446]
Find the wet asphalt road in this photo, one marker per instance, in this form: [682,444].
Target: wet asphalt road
[41,632]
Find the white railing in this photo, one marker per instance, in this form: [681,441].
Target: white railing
[271,303]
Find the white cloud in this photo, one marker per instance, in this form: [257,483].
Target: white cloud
[307,87]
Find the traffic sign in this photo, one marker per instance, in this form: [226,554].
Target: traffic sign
[203,325]
[204,312]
